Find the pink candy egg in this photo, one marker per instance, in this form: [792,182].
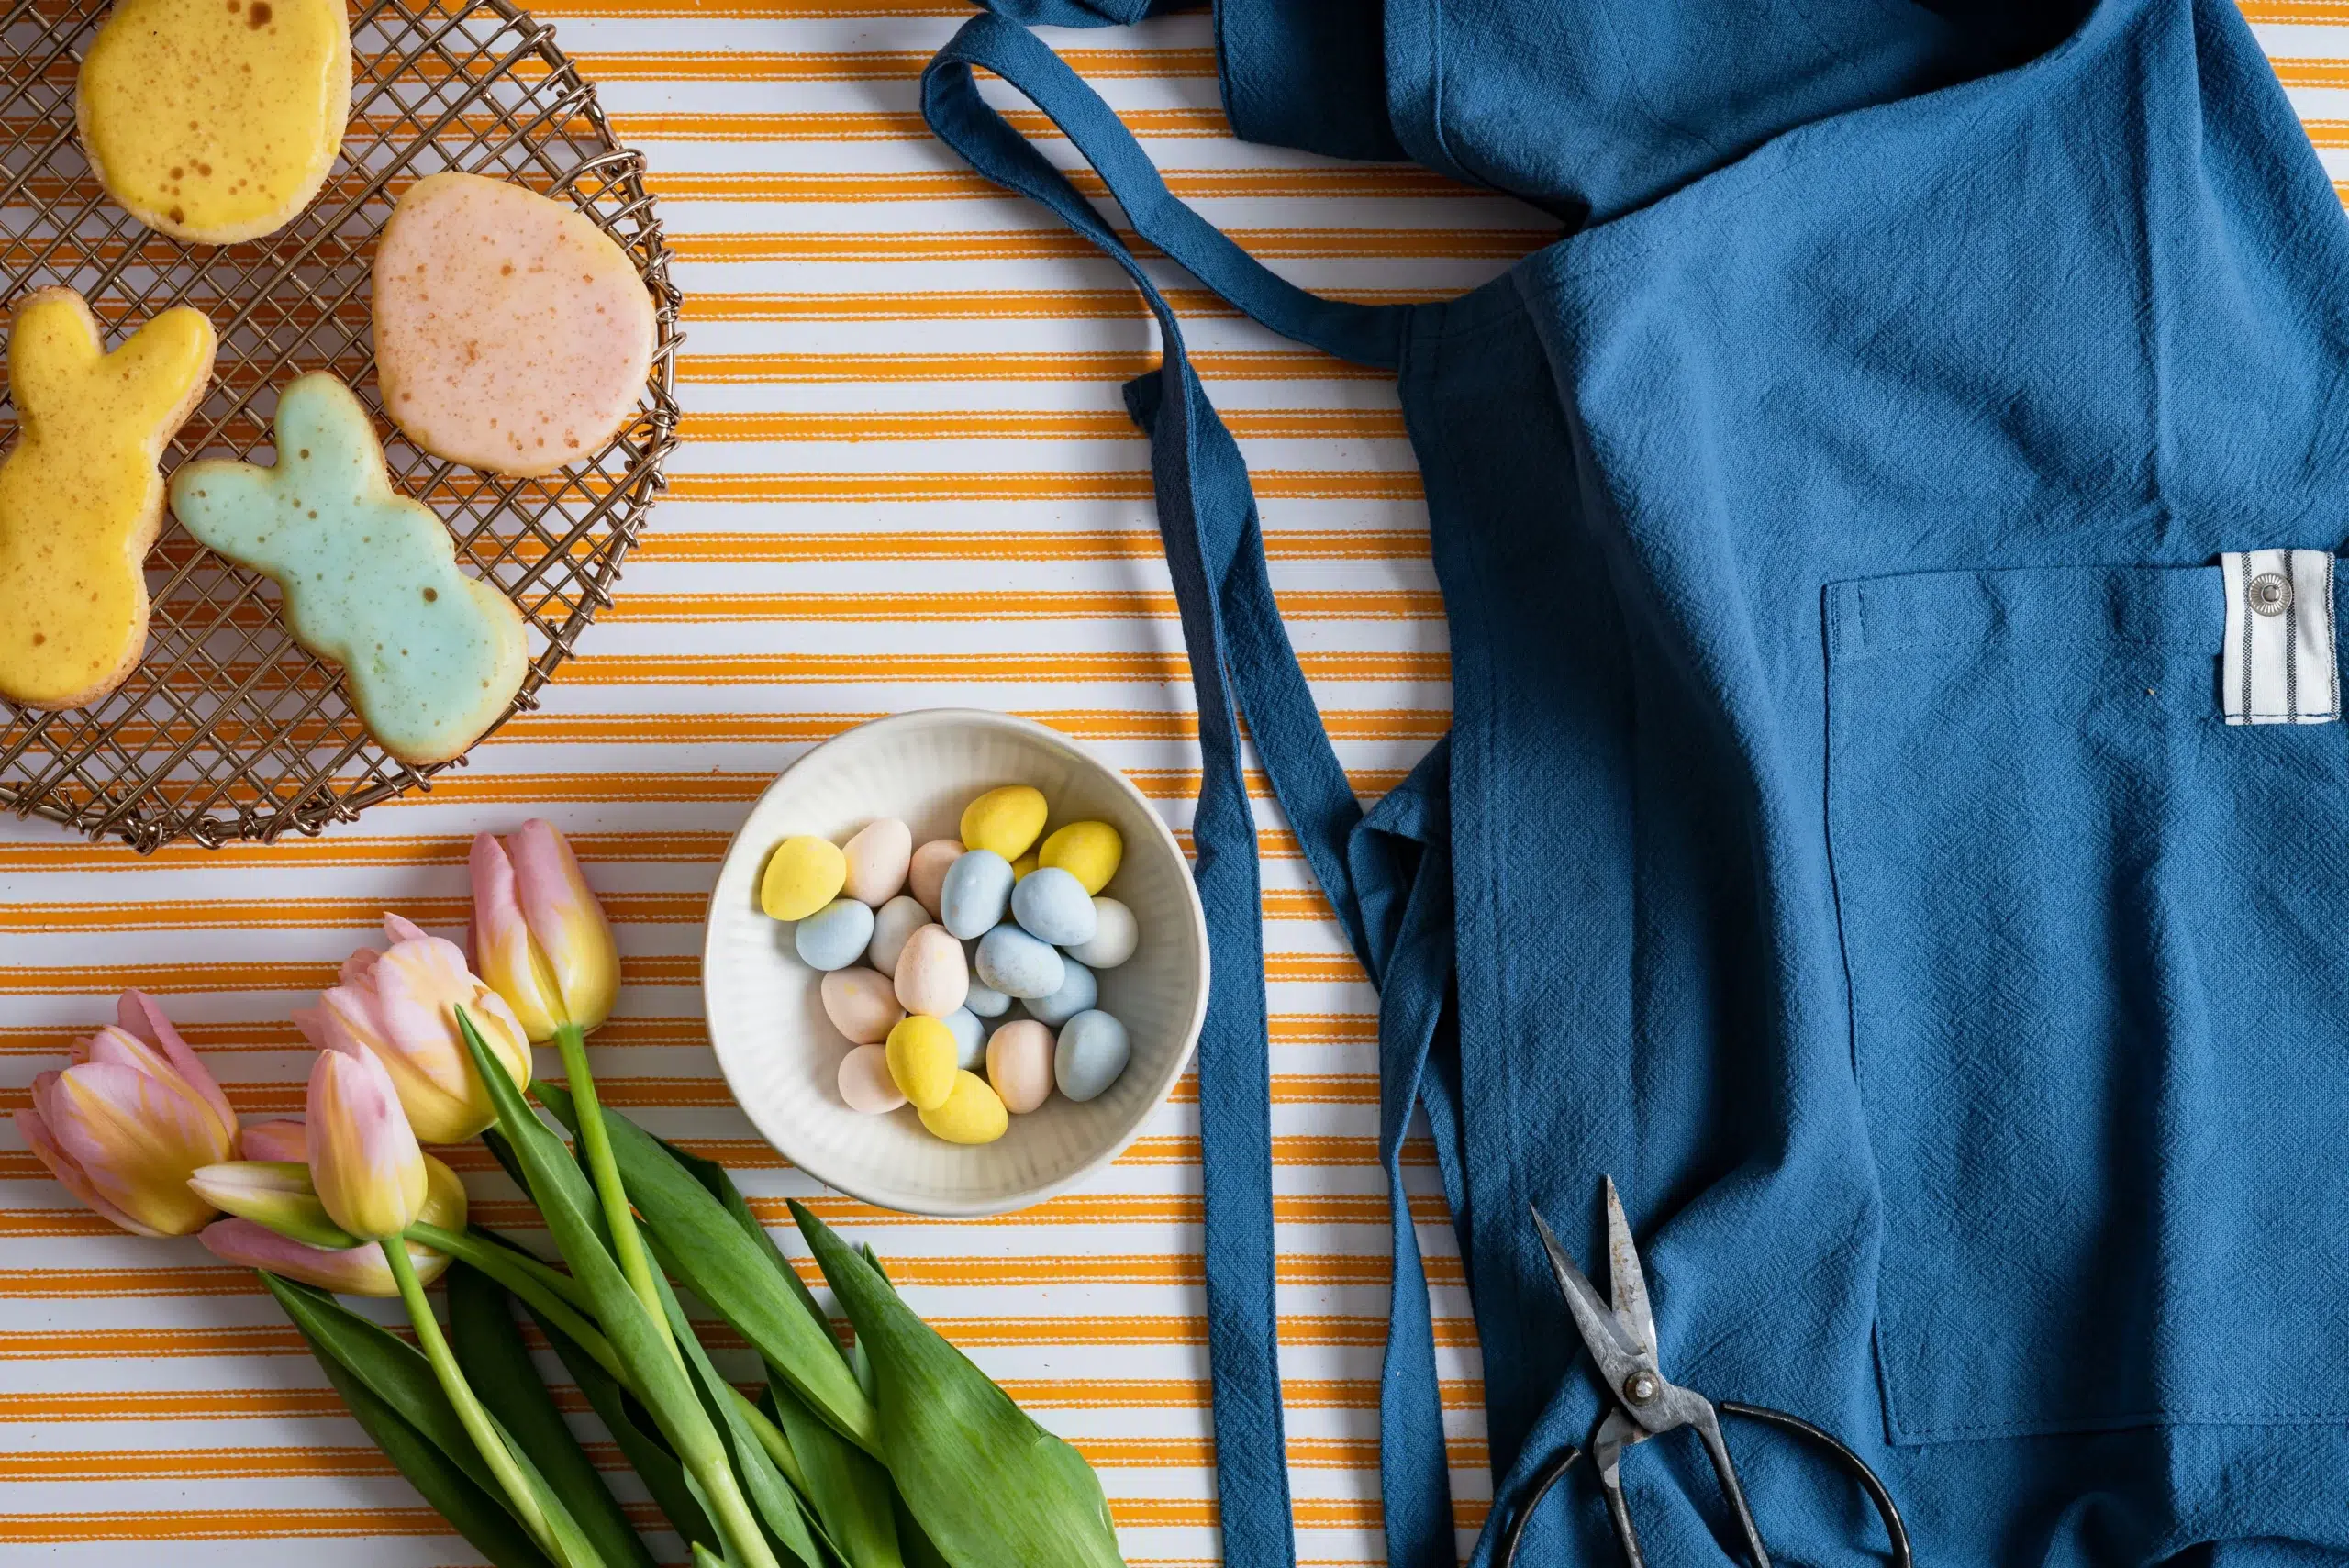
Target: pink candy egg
[865,1083]
[926,873]
[1020,1064]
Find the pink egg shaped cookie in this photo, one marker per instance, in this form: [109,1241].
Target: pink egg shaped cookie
[511,334]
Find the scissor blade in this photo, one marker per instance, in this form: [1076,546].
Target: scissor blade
[1626,1279]
[1592,1316]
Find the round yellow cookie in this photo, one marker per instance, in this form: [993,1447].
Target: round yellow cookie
[216,120]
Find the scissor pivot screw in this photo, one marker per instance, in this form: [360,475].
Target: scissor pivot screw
[1640,1387]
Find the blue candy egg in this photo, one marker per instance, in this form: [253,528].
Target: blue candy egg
[1052,907]
[1077,992]
[986,1001]
[1012,961]
[834,937]
[970,1038]
[971,900]
[1093,1048]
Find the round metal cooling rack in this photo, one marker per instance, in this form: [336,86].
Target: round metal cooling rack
[229,728]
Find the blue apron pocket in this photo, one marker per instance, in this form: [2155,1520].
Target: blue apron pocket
[2097,944]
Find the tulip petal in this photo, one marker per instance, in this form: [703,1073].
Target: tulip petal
[361,1271]
[136,1137]
[274,1193]
[398,929]
[566,922]
[37,1137]
[282,1139]
[502,946]
[419,985]
[139,1013]
[363,1156]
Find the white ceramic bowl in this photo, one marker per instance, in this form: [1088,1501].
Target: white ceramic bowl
[781,1055]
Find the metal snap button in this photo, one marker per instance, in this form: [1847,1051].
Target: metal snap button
[2271,593]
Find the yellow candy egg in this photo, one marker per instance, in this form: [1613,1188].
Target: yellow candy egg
[970,1113]
[1007,821]
[1022,866]
[921,1053]
[1088,852]
[803,875]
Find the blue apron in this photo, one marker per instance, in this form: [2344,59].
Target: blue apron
[1845,838]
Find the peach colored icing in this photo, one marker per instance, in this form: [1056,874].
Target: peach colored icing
[511,334]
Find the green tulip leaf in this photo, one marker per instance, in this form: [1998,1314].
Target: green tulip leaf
[632,1431]
[850,1490]
[573,1218]
[734,1274]
[451,1491]
[987,1484]
[490,1350]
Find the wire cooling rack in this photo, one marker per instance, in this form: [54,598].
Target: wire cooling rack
[229,728]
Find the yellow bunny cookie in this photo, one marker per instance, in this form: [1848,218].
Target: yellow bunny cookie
[81,498]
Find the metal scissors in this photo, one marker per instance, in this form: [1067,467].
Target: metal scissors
[1621,1338]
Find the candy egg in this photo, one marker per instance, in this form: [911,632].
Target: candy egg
[896,920]
[921,1059]
[985,1000]
[1018,965]
[1023,865]
[970,1114]
[877,857]
[1020,1065]
[1087,851]
[1052,907]
[835,936]
[1092,1051]
[926,873]
[865,1083]
[1007,821]
[1078,992]
[971,900]
[931,975]
[803,875]
[970,1038]
[1115,936]
[861,1005]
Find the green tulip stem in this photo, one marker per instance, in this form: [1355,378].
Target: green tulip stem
[469,1410]
[549,1292]
[628,1247]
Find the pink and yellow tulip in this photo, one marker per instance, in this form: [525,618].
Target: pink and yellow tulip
[359,1270]
[539,934]
[364,1161]
[400,1007]
[125,1124]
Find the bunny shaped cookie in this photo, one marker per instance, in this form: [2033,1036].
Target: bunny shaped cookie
[370,577]
[81,498]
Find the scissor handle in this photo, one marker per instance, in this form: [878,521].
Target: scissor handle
[1852,1463]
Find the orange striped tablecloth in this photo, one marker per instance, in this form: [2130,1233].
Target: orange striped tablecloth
[907,480]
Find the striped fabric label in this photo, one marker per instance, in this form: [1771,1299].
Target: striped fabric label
[2277,665]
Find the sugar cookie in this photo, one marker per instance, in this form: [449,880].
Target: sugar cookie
[370,577]
[511,334]
[215,120]
[79,496]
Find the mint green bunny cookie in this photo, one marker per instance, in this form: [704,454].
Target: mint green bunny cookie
[370,577]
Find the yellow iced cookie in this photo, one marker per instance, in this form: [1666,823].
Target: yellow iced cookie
[370,577]
[216,120]
[81,498]
[511,334]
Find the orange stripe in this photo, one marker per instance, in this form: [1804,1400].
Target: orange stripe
[1036,425]
[1269,364]
[1055,484]
[959,185]
[2312,73]
[1012,305]
[768,729]
[899,608]
[1445,242]
[748,10]
[861,65]
[1086,544]
[841,669]
[852,125]
[2320,12]
[1290,1150]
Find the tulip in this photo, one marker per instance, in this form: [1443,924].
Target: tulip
[364,1156]
[539,934]
[400,1007]
[285,1139]
[123,1124]
[359,1270]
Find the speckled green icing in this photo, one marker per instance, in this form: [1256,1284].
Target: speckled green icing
[370,577]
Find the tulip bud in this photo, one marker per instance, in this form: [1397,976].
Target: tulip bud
[539,934]
[281,1140]
[274,1193]
[401,1007]
[123,1124]
[356,1271]
[363,1156]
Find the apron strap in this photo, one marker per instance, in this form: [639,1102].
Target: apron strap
[1240,661]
